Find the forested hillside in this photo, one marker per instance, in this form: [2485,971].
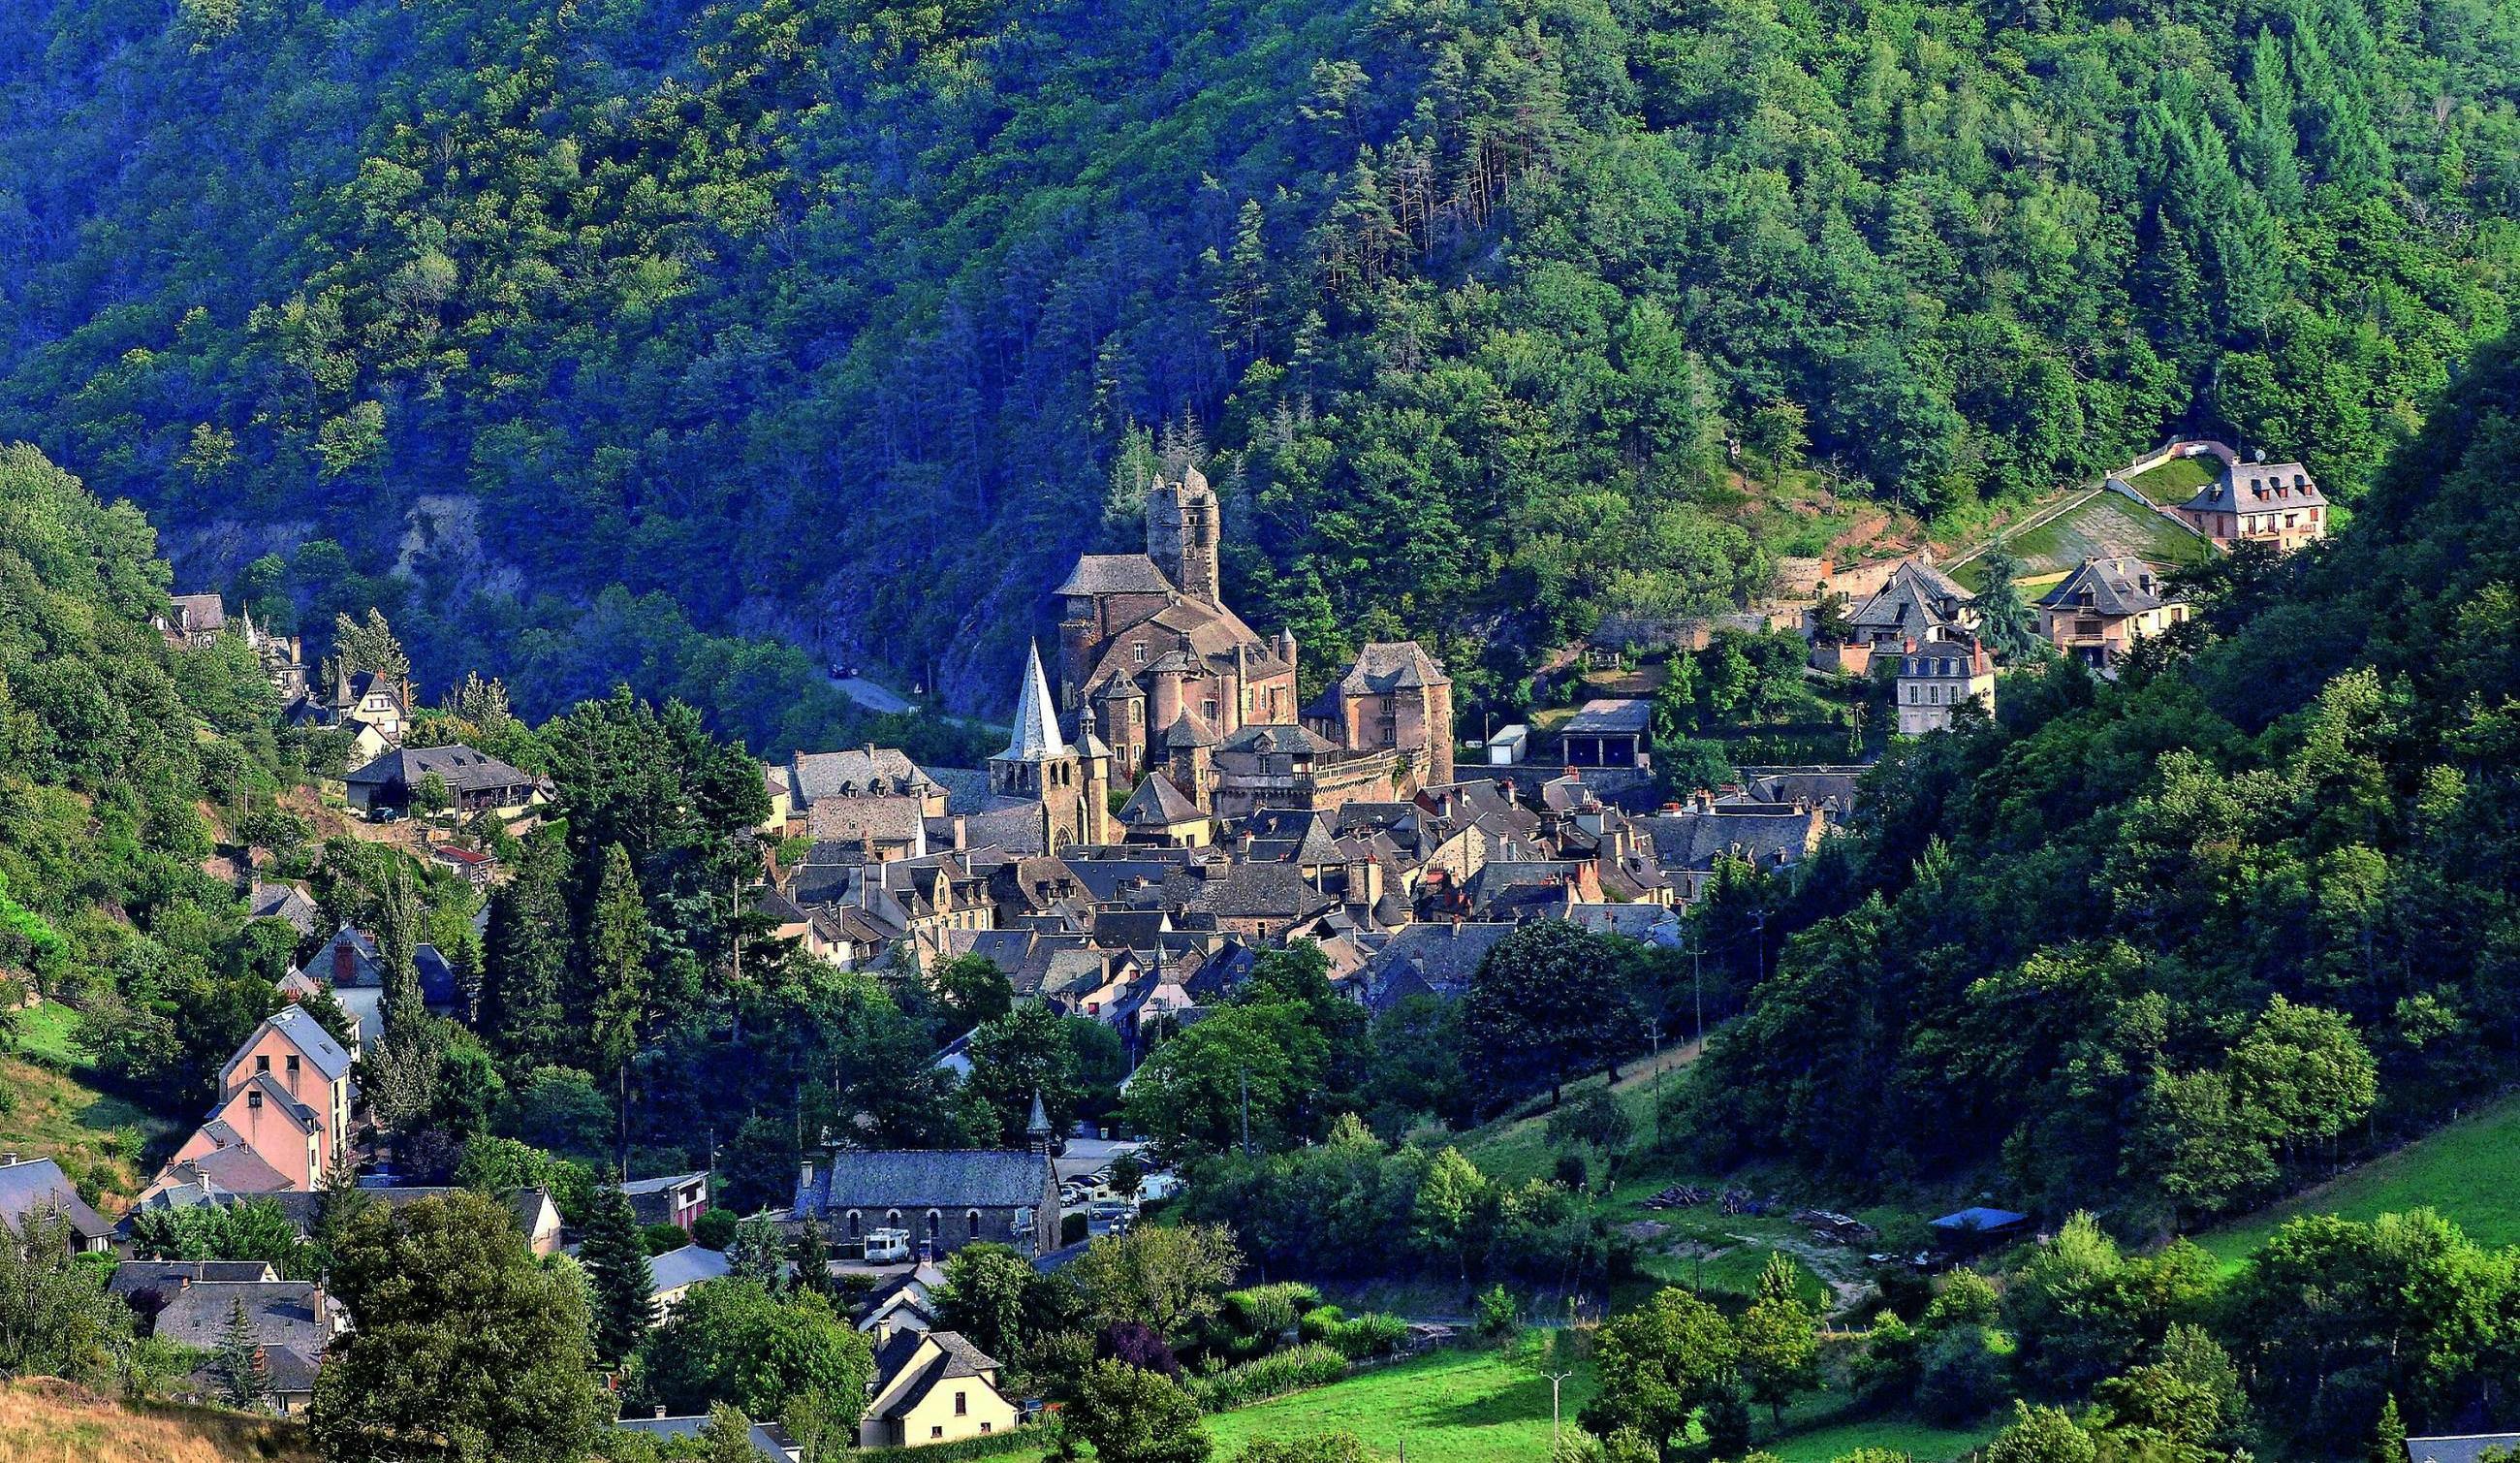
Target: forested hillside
[2170,946]
[839,322]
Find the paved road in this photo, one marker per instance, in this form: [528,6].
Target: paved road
[868,694]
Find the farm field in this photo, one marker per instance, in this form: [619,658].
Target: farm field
[2468,1170]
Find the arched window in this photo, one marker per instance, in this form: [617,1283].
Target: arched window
[972,1218]
[892,1218]
[853,1224]
[933,1220]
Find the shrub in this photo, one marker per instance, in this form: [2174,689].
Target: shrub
[1374,1334]
[661,1238]
[1268,1311]
[715,1229]
[1275,1375]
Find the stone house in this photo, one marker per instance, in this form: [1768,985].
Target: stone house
[2099,612]
[474,781]
[38,1186]
[2273,503]
[945,1199]
[1936,677]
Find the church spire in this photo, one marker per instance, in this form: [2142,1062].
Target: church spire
[1036,737]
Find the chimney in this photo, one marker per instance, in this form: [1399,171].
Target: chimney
[961,838]
[804,1177]
[660,1409]
[345,962]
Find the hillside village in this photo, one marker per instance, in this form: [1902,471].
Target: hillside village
[1166,811]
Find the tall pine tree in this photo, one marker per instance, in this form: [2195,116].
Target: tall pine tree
[614,975]
[526,959]
[616,1259]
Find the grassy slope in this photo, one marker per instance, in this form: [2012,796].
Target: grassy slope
[2469,1170]
[2106,526]
[43,1421]
[1461,1406]
[46,1110]
[2175,482]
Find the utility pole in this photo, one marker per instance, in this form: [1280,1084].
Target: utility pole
[1759,919]
[1243,1075]
[1697,976]
[1555,1378]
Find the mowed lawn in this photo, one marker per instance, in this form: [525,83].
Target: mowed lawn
[2176,481]
[2468,1170]
[1482,1406]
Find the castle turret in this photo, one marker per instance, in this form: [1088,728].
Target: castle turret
[1183,528]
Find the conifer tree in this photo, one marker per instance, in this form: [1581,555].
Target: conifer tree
[244,1380]
[615,975]
[619,1282]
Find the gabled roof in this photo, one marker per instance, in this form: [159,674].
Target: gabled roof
[1157,801]
[1915,598]
[197,613]
[275,1098]
[1036,737]
[925,1178]
[2106,586]
[1694,840]
[952,1357]
[306,1033]
[680,1269]
[1609,715]
[281,902]
[38,1185]
[2469,1449]
[149,1282]
[1249,890]
[856,772]
[459,767]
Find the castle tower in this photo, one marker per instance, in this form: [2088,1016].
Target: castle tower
[1183,528]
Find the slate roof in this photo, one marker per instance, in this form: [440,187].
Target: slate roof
[888,819]
[1114,573]
[925,1178]
[765,1437]
[2469,1448]
[1609,715]
[680,1269]
[459,767]
[1382,667]
[1035,738]
[1914,600]
[1436,958]
[1693,840]
[148,1283]
[197,613]
[955,1357]
[1248,890]
[1273,738]
[1157,801]
[281,902]
[290,1318]
[1655,924]
[2258,487]
[31,1185]
[310,1039]
[857,772]
[2116,588]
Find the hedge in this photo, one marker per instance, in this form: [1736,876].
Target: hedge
[1012,1440]
[1275,1375]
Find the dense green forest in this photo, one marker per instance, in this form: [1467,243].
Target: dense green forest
[843,322]
[2168,948]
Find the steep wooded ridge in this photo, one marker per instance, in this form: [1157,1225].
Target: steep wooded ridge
[2171,945]
[830,320]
